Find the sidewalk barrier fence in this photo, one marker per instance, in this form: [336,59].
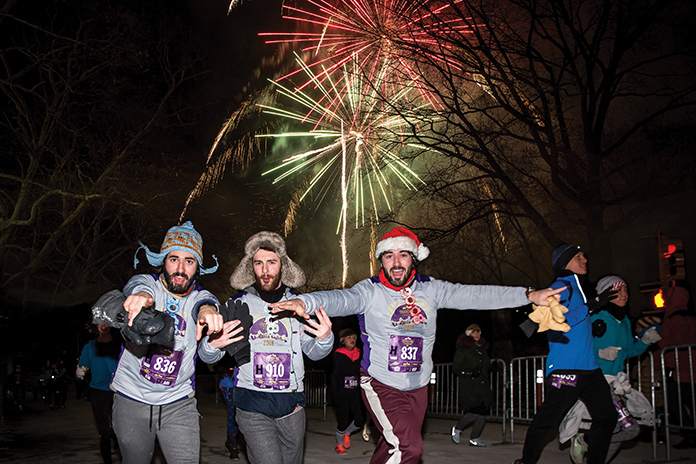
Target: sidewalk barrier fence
[526,389]
[444,393]
[518,391]
[315,389]
[677,369]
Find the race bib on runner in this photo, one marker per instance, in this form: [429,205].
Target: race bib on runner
[350,382]
[569,380]
[272,370]
[405,353]
[161,365]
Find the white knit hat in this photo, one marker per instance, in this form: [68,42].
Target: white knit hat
[609,281]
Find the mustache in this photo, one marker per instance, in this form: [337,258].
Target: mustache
[179,274]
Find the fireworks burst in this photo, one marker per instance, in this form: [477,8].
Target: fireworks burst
[379,32]
[356,139]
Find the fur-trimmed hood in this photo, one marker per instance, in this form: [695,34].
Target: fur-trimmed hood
[467,341]
[243,276]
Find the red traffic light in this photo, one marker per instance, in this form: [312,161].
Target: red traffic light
[671,248]
[672,265]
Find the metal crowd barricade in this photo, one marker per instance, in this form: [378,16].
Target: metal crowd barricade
[678,392]
[443,393]
[315,389]
[526,388]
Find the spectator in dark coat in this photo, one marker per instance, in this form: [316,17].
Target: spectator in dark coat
[472,366]
[345,382]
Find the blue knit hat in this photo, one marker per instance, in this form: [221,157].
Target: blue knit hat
[562,255]
[179,238]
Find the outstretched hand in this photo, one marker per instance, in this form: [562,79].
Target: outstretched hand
[539,297]
[210,317]
[596,304]
[323,324]
[135,303]
[294,305]
[230,333]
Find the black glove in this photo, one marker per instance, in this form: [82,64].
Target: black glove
[150,327]
[238,310]
[599,328]
[529,327]
[109,309]
[595,305]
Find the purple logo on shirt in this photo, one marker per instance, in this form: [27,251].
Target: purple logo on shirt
[268,329]
[408,314]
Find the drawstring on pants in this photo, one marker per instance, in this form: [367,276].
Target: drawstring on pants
[159,418]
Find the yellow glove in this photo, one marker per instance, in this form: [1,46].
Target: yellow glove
[550,317]
[557,310]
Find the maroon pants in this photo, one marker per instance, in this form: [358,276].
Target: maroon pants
[398,416]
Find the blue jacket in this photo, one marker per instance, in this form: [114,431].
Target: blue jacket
[101,358]
[572,350]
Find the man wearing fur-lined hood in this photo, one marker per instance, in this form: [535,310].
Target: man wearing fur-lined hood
[269,392]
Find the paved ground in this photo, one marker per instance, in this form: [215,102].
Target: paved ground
[38,435]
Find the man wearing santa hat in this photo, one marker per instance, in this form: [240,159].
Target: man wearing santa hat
[397,312]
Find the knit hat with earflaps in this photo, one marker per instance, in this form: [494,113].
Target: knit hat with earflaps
[179,238]
[292,275]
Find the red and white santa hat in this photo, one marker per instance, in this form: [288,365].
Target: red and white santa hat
[400,238]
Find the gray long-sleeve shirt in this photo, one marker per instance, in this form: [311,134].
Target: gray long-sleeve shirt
[276,364]
[399,335]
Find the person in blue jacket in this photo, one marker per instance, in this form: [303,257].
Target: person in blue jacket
[572,371]
[226,385]
[99,357]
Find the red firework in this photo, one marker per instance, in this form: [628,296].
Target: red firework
[382,36]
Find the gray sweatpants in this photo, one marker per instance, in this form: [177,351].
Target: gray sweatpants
[620,435]
[269,440]
[176,427]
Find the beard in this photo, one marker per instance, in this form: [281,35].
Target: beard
[177,289]
[272,284]
[404,278]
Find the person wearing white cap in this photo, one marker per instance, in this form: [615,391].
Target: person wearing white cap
[397,312]
[613,344]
